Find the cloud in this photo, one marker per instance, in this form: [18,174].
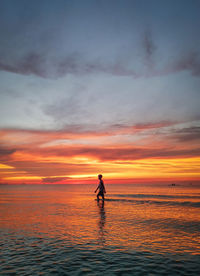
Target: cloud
[54,40]
[77,64]
[79,131]
[38,65]
[30,138]
[189,61]
[187,134]
[115,153]
[30,64]
[141,153]
[46,169]
[70,142]
[6,153]
[71,108]
[149,49]
[47,156]
[151,125]
[54,179]
[41,65]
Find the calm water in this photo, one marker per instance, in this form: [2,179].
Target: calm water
[62,230]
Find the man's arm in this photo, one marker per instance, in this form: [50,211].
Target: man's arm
[104,188]
[96,189]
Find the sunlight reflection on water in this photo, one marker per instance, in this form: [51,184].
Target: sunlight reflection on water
[63,230]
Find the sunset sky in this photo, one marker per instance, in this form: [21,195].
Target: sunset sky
[89,87]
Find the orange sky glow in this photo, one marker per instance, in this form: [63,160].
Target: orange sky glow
[128,155]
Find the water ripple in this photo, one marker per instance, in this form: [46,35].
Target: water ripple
[54,257]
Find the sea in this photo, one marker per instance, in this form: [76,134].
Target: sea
[63,230]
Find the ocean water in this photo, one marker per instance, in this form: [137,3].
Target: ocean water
[63,230]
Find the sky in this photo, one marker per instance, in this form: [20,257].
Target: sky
[107,86]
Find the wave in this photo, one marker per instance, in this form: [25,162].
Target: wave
[165,203]
[158,196]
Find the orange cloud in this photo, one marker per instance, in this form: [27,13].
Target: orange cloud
[62,157]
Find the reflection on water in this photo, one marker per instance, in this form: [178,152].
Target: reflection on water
[102,220]
[62,230]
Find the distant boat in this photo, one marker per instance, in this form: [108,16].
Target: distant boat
[173,184]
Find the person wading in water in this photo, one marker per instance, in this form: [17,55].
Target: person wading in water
[101,188]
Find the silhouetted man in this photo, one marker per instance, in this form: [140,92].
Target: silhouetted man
[101,188]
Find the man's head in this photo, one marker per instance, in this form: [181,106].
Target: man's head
[100,176]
